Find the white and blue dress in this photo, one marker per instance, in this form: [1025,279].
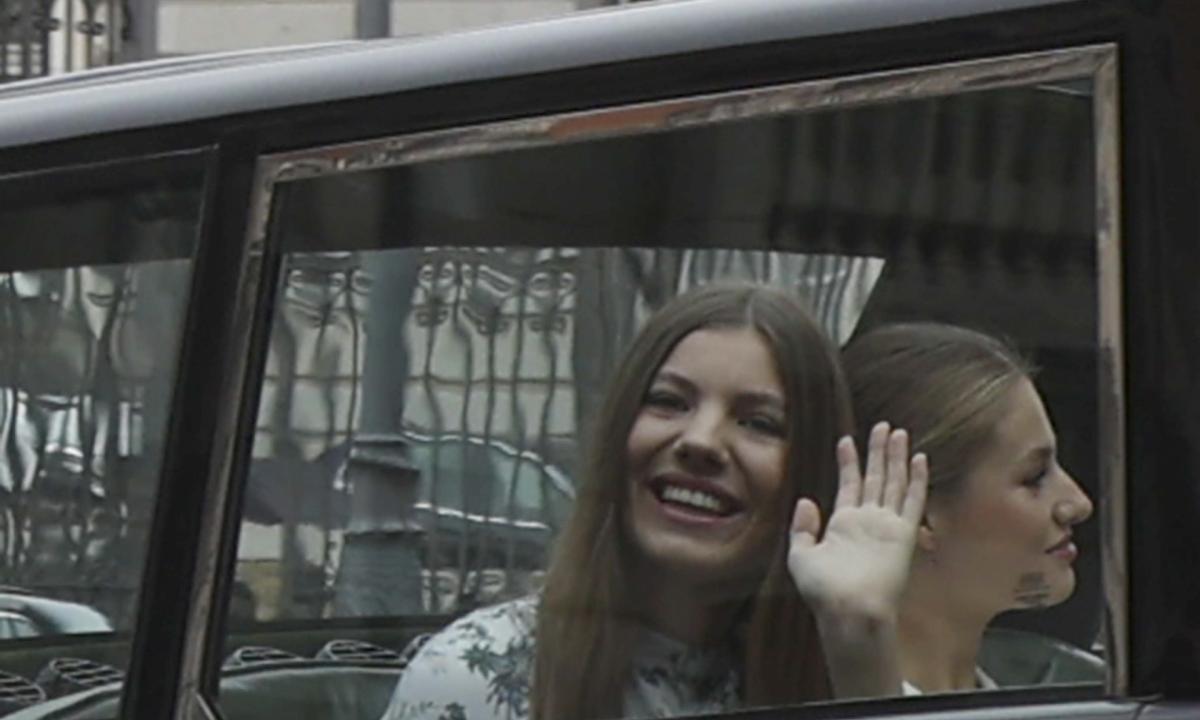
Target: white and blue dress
[480,668]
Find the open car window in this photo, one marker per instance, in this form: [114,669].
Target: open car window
[95,266]
[450,307]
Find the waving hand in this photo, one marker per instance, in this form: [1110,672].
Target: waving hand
[853,575]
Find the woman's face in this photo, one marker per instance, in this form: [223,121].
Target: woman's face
[706,457]
[1005,539]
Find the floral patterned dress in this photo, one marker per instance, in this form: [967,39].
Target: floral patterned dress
[480,668]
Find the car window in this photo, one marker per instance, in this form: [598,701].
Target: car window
[452,306]
[95,263]
[13,625]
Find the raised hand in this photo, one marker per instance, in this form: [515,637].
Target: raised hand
[854,574]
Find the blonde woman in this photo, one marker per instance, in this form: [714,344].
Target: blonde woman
[694,575]
[997,531]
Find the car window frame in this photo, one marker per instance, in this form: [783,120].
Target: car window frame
[261,260]
[66,176]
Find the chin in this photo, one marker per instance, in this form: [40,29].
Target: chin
[695,563]
[1063,590]
[1058,585]
[675,556]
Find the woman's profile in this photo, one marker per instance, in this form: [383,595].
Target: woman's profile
[695,575]
[997,531]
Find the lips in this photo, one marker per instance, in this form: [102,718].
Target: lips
[1064,549]
[694,495]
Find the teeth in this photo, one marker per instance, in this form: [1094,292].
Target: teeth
[695,498]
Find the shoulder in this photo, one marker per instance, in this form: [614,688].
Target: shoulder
[477,668]
[492,627]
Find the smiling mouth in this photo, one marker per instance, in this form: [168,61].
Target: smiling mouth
[694,497]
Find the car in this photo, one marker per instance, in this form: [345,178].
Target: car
[468,487]
[24,614]
[298,349]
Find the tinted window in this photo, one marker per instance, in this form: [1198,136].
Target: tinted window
[94,272]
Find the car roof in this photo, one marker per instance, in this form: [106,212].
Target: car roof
[205,87]
[58,616]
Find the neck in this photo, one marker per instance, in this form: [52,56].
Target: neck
[682,611]
[939,636]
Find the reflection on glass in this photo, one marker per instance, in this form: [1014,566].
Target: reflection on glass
[92,297]
[83,347]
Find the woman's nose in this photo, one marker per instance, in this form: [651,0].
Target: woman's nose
[699,446]
[1076,506]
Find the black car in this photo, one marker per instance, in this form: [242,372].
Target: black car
[298,348]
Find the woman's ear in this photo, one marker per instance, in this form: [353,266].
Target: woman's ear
[927,534]
[925,538]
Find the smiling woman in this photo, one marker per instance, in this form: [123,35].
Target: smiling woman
[706,458]
[677,587]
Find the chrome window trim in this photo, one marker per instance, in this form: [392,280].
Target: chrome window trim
[1097,62]
[1111,406]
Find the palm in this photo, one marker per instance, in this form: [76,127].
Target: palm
[860,564]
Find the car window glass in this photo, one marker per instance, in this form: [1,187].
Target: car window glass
[94,273]
[445,325]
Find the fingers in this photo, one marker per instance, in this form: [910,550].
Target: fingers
[806,523]
[849,476]
[918,486]
[896,474]
[891,480]
[872,487]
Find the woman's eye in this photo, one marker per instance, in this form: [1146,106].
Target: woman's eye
[765,424]
[665,400]
[1037,480]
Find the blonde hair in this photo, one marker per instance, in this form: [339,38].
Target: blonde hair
[587,619]
[946,385]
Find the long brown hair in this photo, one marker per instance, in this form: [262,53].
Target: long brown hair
[586,624]
[946,385]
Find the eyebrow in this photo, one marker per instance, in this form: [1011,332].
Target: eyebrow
[760,397]
[1042,453]
[765,398]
